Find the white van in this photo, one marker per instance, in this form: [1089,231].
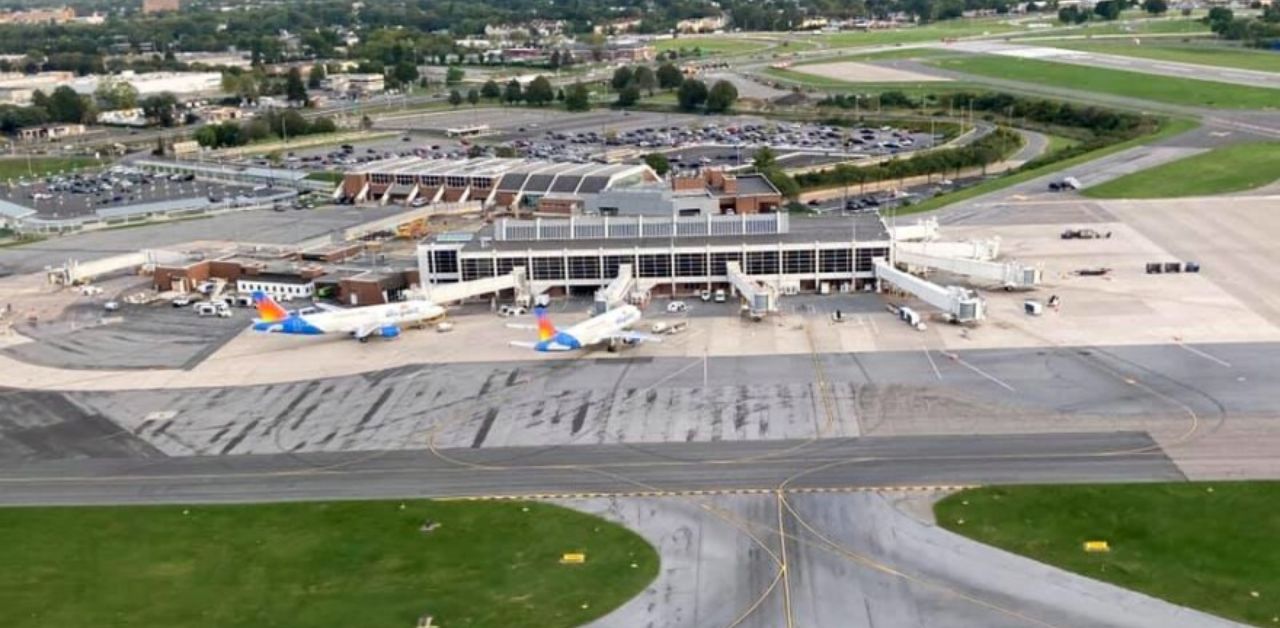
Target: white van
[219,309]
[720,295]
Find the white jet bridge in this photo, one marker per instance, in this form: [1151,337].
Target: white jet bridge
[761,298]
[614,294]
[463,290]
[1009,275]
[959,304]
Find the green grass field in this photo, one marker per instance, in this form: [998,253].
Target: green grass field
[1205,545]
[1204,53]
[18,167]
[932,32]
[1147,26]
[1228,169]
[367,564]
[900,53]
[1177,91]
[837,85]
[713,45]
[1169,128]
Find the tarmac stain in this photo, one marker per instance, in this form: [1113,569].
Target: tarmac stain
[220,433]
[328,437]
[373,409]
[580,418]
[485,426]
[239,437]
[304,416]
[511,379]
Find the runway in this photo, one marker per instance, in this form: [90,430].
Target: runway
[593,470]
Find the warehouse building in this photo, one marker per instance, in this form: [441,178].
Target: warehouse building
[668,255]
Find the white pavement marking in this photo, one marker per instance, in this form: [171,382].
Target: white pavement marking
[1204,355]
[993,378]
[931,362]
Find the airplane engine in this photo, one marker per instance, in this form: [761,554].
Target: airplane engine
[389,331]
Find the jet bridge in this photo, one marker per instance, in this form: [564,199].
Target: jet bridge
[1010,275]
[960,305]
[463,290]
[760,297]
[922,230]
[614,294]
[985,250]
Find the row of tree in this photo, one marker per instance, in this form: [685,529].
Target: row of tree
[538,92]
[65,105]
[987,150]
[1260,32]
[270,125]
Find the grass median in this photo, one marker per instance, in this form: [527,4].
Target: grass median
[21,167]
[1203,53]
[1136,85]
[1233,168]
[325,564]
[1207,546]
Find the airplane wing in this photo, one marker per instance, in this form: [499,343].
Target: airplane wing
[523,345]
[364,331]
[326,307]
[522,327]
[633,336]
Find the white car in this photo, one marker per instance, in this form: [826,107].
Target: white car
[512,310]
[720,296]
[111,306]
[677,307]
[705,295]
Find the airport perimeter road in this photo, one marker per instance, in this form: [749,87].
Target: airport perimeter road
[558,472]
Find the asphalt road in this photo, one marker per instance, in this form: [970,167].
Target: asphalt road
[666,468]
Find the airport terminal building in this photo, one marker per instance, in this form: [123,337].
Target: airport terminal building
[667,255]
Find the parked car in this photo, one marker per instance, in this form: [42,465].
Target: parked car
[720,296]
[705,295]
[677,307]
[111,306]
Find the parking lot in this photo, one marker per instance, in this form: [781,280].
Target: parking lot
[688,140]
[83,194]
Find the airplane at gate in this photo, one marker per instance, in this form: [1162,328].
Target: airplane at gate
[383,320]
[610,327]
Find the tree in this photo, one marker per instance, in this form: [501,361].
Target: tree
[1072,15]
[560,94]
[764,159]
[294,89]
[1155,7]
[577,98]
[554,61]
[490,90]
[1220,19]
[721,97]
[1107,9]
[65,105]
[629,96]
[405,73]
[455,98]
[315,78]
[692,94]
[621,78]
[453,75]
[659,163]
[473,97]
[785,184]
[645,79]
[513,93]
[160,108]
[116,94]
[539,92]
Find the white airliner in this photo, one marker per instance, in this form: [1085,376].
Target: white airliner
[361,322]
[610,327]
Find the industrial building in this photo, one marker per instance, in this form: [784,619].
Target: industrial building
[666,255]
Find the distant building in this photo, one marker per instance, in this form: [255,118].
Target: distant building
[123,117]
[50,133]
[33,17]
[617,27]
[355,84]
[708,24]
[150,7]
